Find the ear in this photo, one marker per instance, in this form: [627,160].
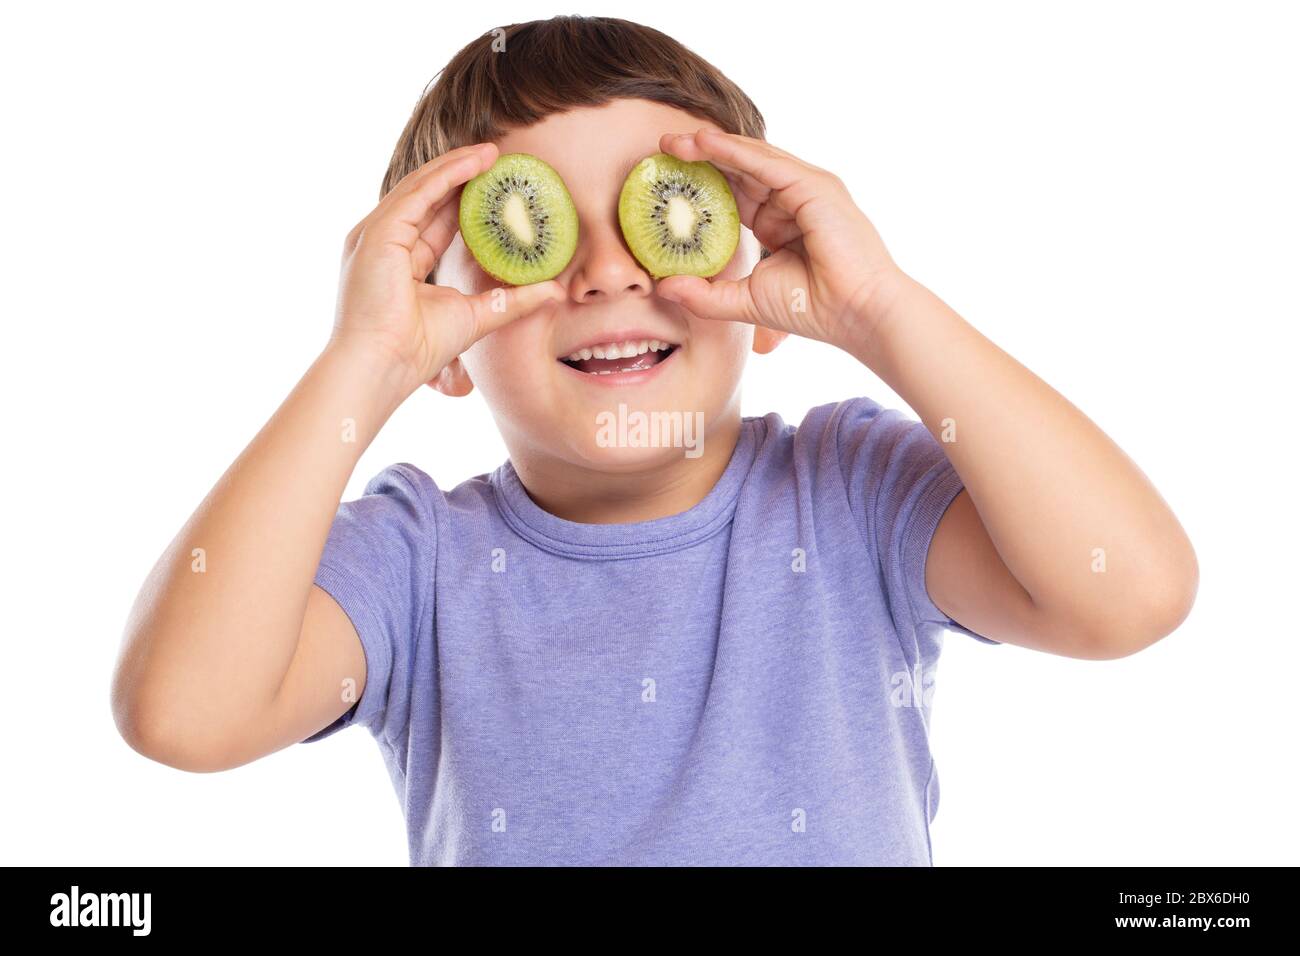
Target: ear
[453,380]
[765,339]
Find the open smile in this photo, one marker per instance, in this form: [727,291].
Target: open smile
[621,361]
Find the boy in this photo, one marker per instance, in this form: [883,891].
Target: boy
[620,653]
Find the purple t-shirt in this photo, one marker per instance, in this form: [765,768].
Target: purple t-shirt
[746,682]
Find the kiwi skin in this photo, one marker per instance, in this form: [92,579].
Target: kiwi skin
[708,193]
[550,208]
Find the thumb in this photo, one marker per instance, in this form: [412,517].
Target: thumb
[497,307]
[723,300]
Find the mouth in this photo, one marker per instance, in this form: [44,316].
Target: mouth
[619,357]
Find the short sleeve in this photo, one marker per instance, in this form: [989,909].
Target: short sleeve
[899,482]
[378,565]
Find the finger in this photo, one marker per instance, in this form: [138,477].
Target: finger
[774,229]
[746,189]
[759,146]
[746,205]
[411,206]
[422,260]
[403,223]
[790,182]
[682,145]
[773,226]
[413,180]
[497,307]
[434,240]
[750,196]
[723,300]
[688,146]
[743,156]
[428,192]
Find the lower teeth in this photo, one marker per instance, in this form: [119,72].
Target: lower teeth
[639,366]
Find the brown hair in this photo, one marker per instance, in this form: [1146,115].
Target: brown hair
[521,73]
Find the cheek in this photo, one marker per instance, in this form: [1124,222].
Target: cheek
[724,343]
[509,366]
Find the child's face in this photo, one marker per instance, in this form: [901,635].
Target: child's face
[545,407]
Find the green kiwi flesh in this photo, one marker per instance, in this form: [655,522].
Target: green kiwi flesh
[679,218]
[518,220]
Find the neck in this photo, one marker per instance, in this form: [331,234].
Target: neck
[663,488]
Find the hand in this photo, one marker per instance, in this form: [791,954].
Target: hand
[384,303]
[828,266]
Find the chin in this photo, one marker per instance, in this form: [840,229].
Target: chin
[629,438]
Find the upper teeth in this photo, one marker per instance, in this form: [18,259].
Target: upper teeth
[613,350]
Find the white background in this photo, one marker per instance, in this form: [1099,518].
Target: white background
[1108,191]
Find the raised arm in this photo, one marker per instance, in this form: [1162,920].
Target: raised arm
[1058,541]
[230,651]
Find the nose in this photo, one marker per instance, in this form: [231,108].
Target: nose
[603,270]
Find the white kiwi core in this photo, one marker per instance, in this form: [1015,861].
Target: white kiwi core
[680,218]
[514,216]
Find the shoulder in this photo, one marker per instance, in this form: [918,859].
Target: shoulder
[830,433]
[827,421]
[399,501]
[403,496]
[839,423]
[403,484]
[832,450]
[401,480]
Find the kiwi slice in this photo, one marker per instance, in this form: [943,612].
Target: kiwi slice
[518,220]
[679,218]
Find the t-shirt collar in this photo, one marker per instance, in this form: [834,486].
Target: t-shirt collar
[635,539]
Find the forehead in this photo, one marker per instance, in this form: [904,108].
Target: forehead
[594,147]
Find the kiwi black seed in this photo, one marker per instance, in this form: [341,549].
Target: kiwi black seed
[518,220]
[679,218]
